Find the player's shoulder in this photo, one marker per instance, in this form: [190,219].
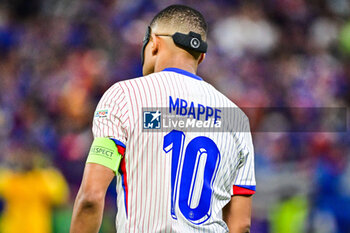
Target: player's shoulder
[228,102]
[124,88]
[230,106]
[123,85]
[132,81]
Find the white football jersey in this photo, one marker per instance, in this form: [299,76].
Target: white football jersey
[174,180]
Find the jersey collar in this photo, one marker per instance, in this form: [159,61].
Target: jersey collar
[183,72]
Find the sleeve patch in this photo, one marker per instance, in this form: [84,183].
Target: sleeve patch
[101,113]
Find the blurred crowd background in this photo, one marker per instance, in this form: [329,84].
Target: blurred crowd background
[57,57]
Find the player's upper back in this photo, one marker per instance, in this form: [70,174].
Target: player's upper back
[154,90]
[179,175]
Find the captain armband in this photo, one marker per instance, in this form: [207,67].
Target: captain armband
[104,151]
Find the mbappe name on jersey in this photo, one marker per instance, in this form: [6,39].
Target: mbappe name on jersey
[196,111]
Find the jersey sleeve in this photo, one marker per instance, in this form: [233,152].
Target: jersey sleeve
[244,179]
[111,116]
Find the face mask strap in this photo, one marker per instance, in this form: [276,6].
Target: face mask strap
[191,41]
[145,42]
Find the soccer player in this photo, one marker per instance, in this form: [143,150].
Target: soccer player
[179,180]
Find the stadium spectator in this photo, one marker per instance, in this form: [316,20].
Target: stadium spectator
[29,190]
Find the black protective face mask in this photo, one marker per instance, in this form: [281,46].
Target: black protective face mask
[191,41]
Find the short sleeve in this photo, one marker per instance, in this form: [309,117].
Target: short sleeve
[111,116]
[244,179]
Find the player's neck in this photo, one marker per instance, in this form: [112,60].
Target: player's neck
[180,62]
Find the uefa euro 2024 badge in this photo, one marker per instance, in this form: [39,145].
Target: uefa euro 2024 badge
[101,113]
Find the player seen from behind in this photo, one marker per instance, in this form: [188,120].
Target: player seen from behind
[177,180]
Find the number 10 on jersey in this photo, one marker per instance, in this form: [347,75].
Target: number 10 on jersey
[200,159]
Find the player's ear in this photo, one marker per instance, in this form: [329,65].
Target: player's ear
[201,58]
[155,44]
